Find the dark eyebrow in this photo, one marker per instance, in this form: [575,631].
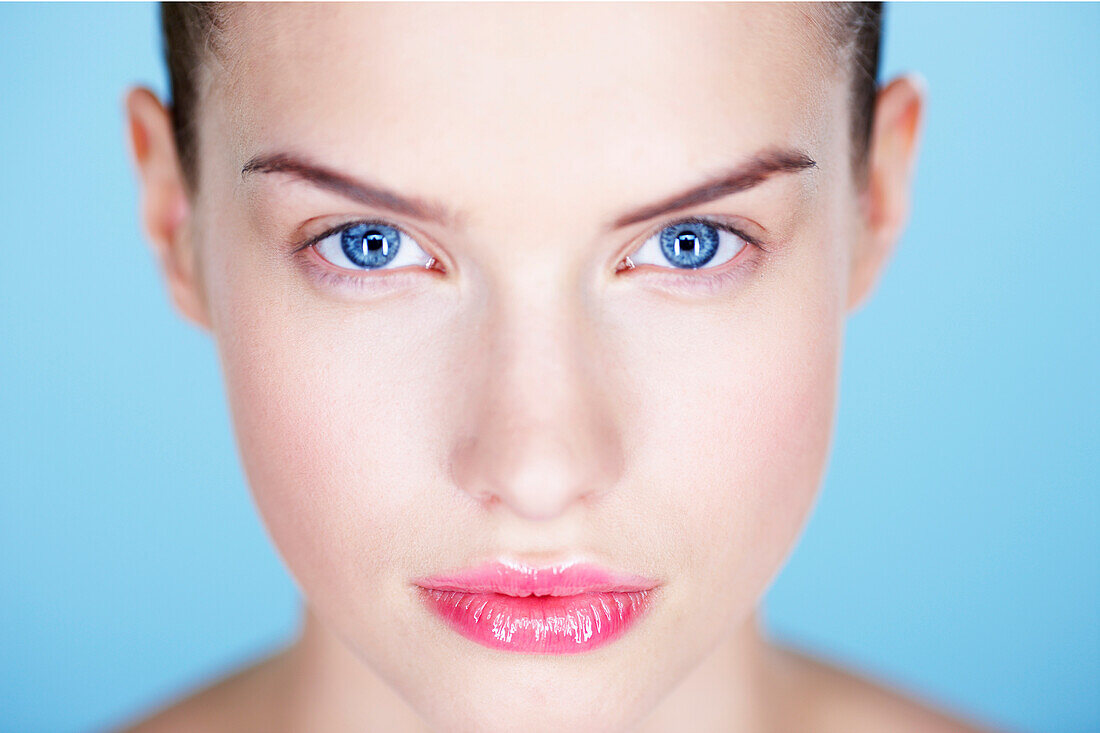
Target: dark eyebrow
[366,193]
[752,172]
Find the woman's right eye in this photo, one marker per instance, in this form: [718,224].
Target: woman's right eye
[370,246]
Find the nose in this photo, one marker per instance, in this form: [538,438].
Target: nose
[540,435]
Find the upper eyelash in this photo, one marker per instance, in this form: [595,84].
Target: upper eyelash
[339,228]
[717,223]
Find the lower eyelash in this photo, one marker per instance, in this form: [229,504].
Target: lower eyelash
[330,278]
[696,280]
[708,280]
[712,284]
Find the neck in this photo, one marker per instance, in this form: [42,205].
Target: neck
[326,687]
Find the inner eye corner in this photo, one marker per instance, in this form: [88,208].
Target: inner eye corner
[623,265]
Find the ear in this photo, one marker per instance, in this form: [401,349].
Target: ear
[899,109]
[165,207]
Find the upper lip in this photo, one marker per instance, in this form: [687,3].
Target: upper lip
[519,579]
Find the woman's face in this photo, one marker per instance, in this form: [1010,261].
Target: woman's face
[528,396]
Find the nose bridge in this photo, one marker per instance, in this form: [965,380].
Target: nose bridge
[540,436]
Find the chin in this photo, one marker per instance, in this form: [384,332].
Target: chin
[498,692]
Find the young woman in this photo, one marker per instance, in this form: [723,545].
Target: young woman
[530,318]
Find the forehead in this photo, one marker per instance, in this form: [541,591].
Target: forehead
[465,101]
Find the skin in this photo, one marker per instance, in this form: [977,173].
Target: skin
[657,421]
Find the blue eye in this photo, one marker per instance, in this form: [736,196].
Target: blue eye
[370,246]
[689,245]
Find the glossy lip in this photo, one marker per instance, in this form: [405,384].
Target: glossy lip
[558,609]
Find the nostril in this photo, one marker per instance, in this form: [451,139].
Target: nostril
[538,471]
[541,434]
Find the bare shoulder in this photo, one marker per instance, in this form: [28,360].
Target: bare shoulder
[835,700]
[238,701]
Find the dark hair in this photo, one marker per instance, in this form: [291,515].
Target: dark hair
[863,29]
[191,31]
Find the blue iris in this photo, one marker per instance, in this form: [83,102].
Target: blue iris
[370,245]
[689,244]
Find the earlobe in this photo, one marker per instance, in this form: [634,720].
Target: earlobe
[165,207]
[899,110]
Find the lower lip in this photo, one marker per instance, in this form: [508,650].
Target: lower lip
[539,624]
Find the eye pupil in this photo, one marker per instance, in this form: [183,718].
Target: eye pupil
[689,245]
[375,241]
[687,240]
[372,245]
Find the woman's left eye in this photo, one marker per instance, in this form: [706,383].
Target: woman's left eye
[370,246]
[690,245]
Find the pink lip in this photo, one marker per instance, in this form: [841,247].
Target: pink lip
[561,609]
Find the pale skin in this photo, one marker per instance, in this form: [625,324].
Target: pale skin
[528,395]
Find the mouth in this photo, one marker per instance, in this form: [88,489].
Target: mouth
[559,609]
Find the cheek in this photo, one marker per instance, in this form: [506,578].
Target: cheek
[333,414]
[344,416]
[734,423]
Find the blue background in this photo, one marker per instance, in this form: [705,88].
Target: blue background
[954,549]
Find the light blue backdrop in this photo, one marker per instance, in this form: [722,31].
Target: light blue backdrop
[954,550]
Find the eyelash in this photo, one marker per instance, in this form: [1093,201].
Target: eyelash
[331,276]
[717,277]
[710,282]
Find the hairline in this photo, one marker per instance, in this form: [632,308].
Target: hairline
[832,22]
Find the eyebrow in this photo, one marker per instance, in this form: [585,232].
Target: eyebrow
[357,190]
[752,172]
